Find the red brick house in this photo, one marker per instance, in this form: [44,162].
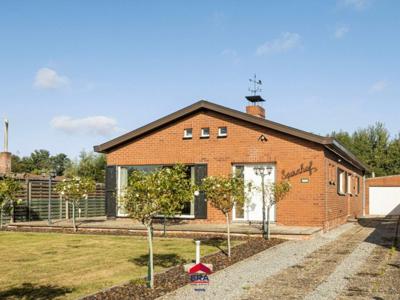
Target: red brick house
[327,180]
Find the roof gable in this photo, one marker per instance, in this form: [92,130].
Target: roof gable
[328,142]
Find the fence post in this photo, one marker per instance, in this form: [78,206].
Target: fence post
[61,207]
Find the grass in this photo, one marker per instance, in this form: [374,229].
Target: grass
[66,266]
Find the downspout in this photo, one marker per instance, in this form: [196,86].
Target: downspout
[363,196]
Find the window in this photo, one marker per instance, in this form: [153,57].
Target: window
[348,184]
[123,177]
[341,181]
[205,132]
[239,210]
[188,133]
[357,185]
[222,131]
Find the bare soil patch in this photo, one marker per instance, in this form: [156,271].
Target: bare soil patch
[176,277]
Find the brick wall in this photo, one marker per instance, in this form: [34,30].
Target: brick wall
[305,204]
[340,207]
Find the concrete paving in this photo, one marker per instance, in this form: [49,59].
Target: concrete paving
[101,223]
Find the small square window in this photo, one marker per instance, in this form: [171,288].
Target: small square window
[222,131]
[188,133]
[205,132]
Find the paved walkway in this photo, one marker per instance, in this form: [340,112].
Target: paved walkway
[125,224]
[308,269]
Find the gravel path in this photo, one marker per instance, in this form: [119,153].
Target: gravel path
[234,281]
[332,287]
[302,279]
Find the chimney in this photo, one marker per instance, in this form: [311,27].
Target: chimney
[5,156]
[254,108]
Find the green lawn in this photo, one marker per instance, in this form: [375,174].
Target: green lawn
[66,266]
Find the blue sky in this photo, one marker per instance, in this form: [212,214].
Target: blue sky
[77,73]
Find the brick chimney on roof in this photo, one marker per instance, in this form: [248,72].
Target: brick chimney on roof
[5,156]
[254,108]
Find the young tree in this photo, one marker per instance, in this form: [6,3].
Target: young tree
[74,190]
[276,192]
[224,193]
[9,189]
[151,194]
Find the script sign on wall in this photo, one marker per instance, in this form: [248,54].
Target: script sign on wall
[309,168]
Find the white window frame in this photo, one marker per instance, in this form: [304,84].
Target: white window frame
[349,184]
[220,134]
[203,134]
[186,134]
[342,182]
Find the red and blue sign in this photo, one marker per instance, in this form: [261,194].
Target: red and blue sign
[199,276]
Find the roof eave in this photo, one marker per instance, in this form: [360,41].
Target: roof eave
[347,155]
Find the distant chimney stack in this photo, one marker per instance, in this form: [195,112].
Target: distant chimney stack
[5,156]
[255,108]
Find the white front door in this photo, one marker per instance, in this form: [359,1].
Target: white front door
[253,208]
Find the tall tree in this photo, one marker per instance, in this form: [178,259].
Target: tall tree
[59,163]
[88,164]
[393,162]
[39,162]
[371,145]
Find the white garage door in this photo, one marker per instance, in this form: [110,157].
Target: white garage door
[384,200]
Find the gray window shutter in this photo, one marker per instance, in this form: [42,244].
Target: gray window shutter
[111,190]
[200,204]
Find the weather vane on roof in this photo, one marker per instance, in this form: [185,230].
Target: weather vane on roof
[255,85]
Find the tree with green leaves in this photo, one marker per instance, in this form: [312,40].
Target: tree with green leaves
[88,164]
[147,195]
[276,191]
[224,193]
[9,190]
[39,162]
[74,190]
[373,146]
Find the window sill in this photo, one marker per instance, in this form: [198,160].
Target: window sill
[187,138]
[204,137]
[222,136]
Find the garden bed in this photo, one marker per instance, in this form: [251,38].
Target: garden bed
[175,277]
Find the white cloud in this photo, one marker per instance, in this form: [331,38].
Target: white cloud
[47,78]
[355,4]
[94,125]
[379,86]
[284,43]
[232,55]
[341,32]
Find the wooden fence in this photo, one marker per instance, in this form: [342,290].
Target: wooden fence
[34,204]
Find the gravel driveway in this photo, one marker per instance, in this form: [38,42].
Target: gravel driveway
[320,268]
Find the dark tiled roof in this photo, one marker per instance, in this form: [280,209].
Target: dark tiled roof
[330,143]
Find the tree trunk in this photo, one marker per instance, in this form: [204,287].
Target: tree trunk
[1,218]
[73,215]
[150,272]
[165,226]
[12,213]
[228,230]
